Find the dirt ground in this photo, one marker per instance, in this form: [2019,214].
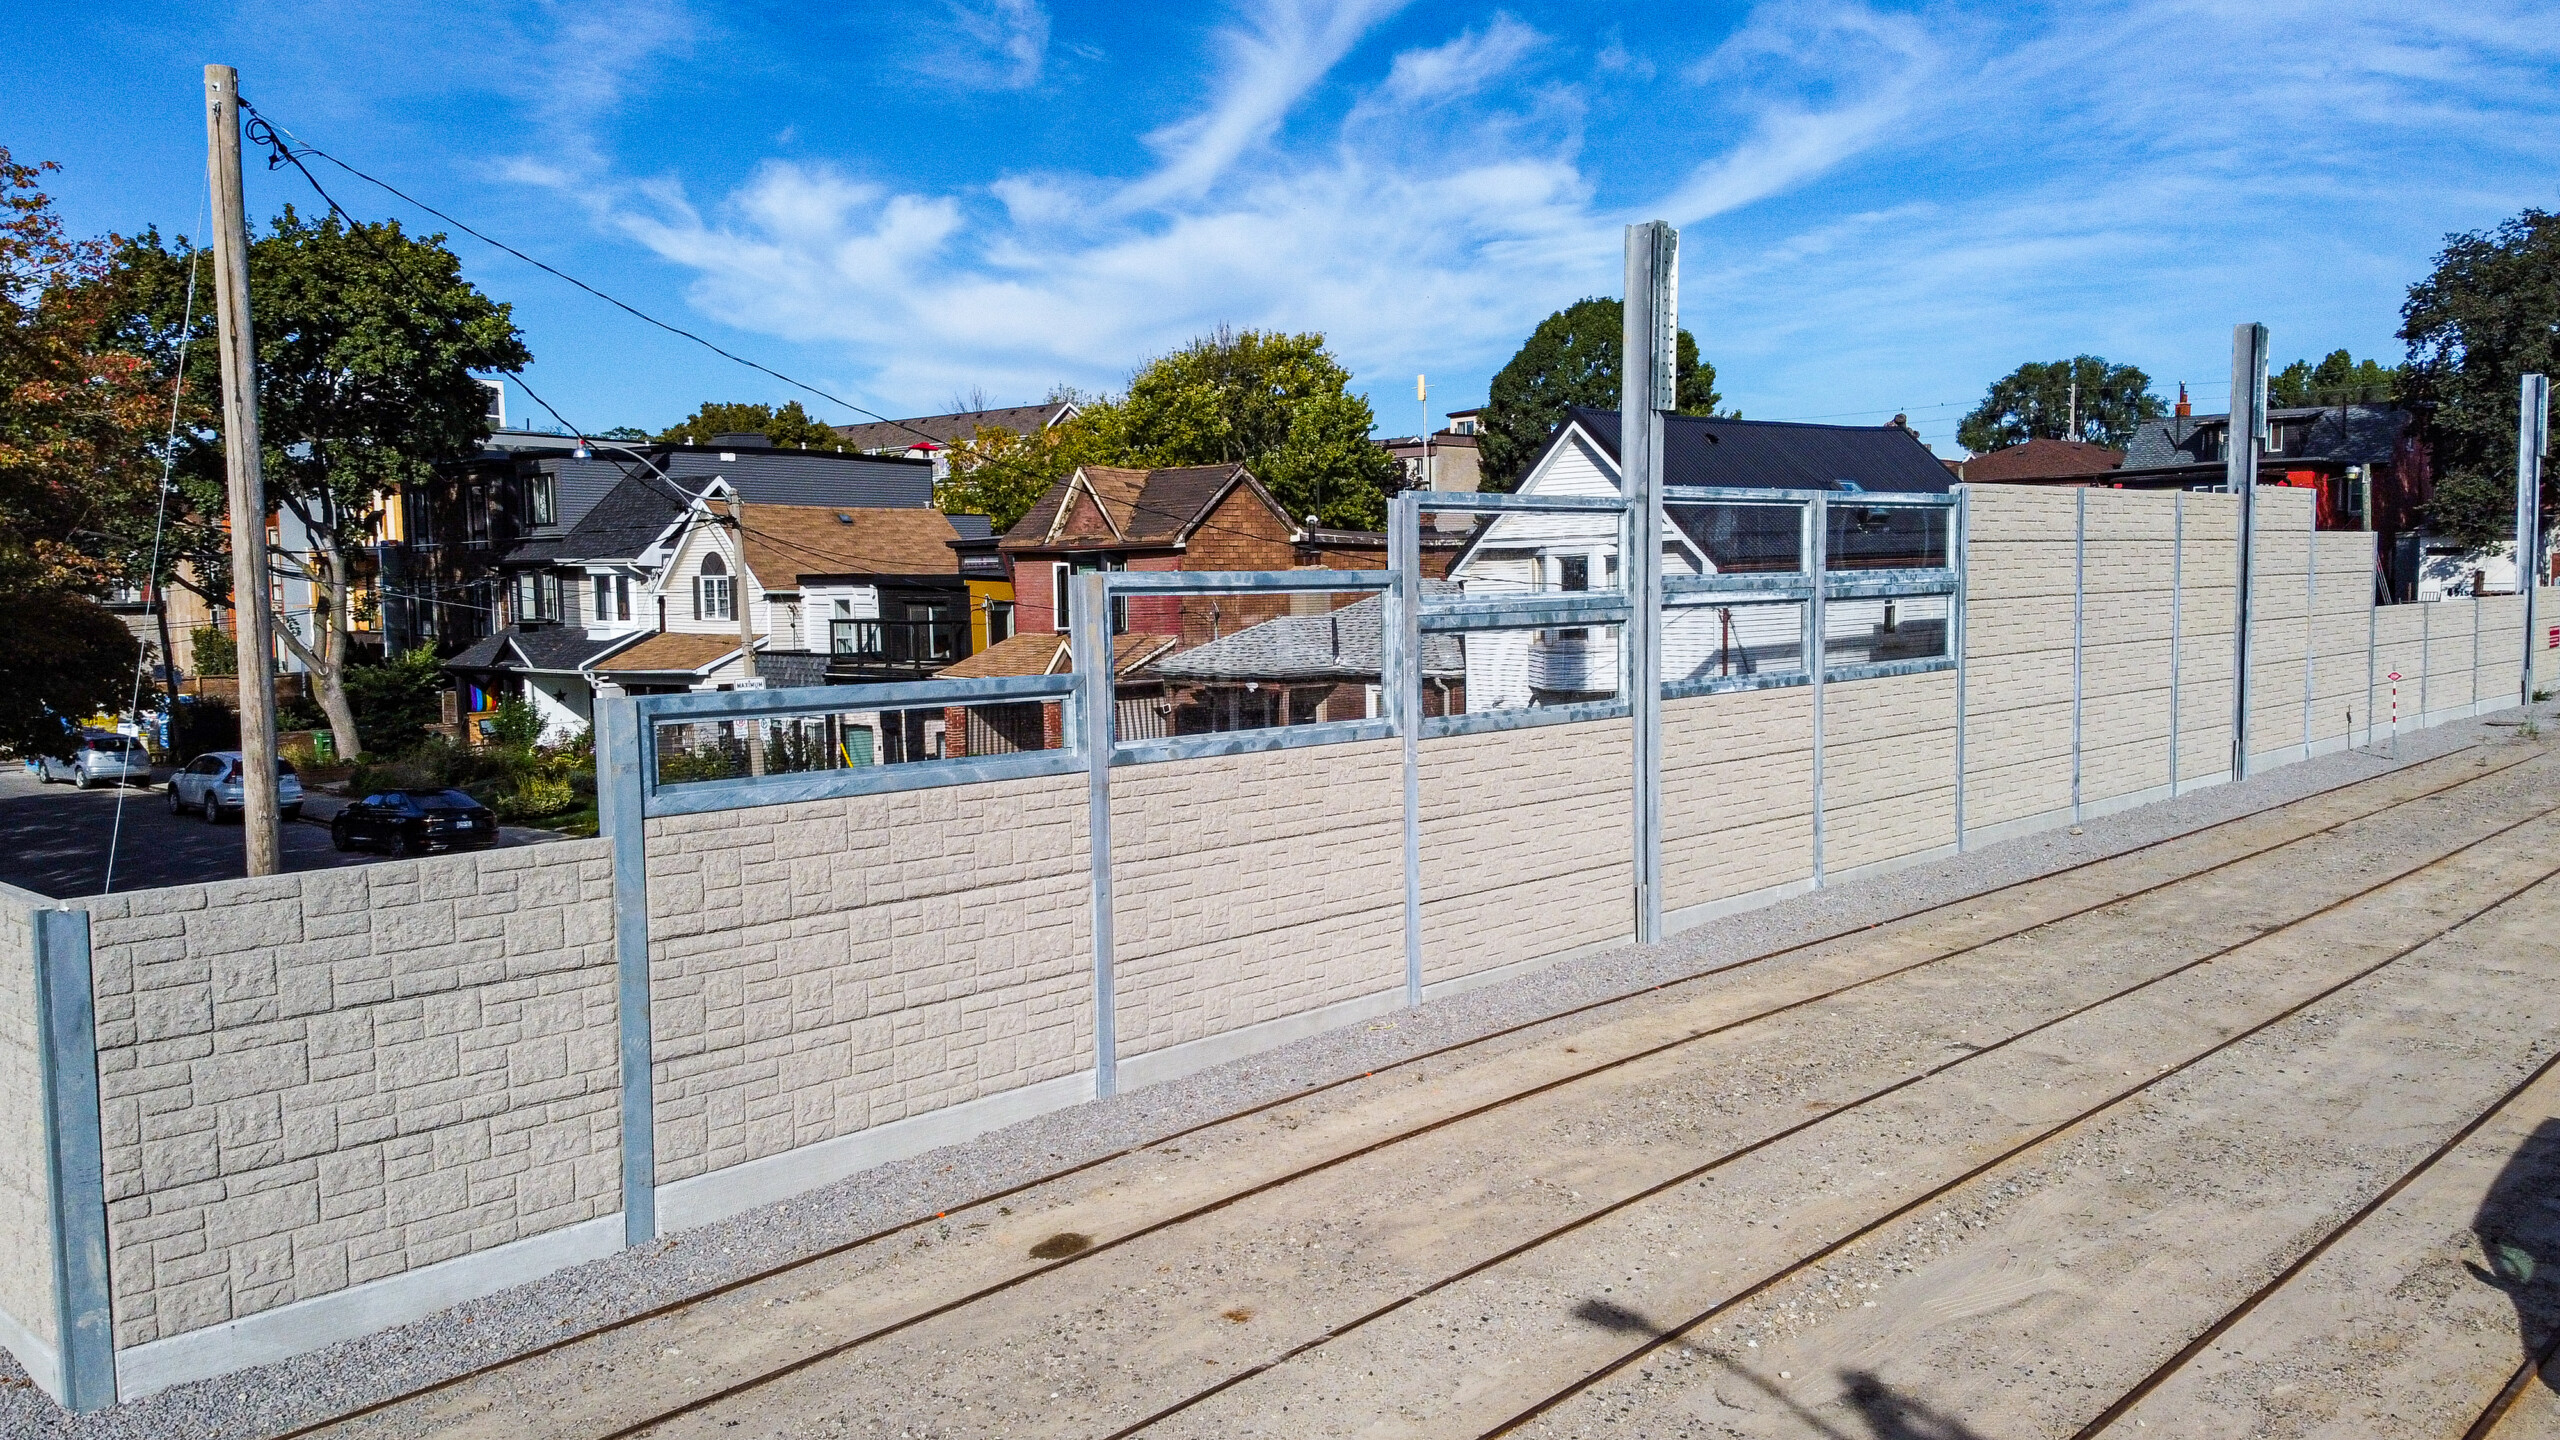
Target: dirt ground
[1990,1171]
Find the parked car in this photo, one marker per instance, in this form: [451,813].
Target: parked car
[98,757]
[413,822]
[211,785]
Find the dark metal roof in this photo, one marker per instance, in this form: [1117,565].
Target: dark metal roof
[544,647]
[791,669]
[1779,455]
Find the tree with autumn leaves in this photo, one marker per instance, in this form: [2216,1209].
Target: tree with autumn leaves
[81,424]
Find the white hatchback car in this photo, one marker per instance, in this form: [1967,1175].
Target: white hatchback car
[98,757]
[211,784]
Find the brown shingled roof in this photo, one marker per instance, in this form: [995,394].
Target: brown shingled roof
[670,652]
[1038,654]
[1136,507]
[2040,459]
[785,542]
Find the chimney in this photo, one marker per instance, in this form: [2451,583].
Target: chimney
[2184,409]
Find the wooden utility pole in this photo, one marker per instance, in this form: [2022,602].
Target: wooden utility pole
[259,823]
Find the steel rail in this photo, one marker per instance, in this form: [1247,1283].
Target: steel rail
[2500,1405]
[688,1301]
[2142,1389]
[1799,1265]
[880,1332]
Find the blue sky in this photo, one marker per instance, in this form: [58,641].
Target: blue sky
[1882,207]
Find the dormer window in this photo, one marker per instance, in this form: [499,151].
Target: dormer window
[712,597]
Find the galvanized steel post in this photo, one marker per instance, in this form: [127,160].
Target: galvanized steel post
[1817,547]
[2533,437]
[1960,554]
[621,789]
[1651,329]
[1403,679]
[1091,646]
[2240,476]
[67,1041]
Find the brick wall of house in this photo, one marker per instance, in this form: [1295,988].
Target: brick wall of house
[315,1080]
[825,967]
[1241,533]
[1155,614]
[1524,844]
[1247,888]
[26,1261]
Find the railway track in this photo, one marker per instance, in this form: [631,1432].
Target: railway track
[2010,1156]
[2465,776]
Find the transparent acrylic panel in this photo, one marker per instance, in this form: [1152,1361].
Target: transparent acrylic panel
[697,750]
[1721,642]
[1232,662]
[1736,538]
[1526,669]
[1887,537]
[1870,632]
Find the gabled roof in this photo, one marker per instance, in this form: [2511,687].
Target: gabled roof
[786,542]
[2040,459]
[959,425]
[1103,505]
[627,521]
[1042,654]
[1340,644]
[2345,434]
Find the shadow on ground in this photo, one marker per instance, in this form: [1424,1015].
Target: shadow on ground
[2518,1225]
[1887,1413]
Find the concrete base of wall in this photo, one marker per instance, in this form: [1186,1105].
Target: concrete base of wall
[306,1325]
[43,1362]
[1192,1056]
[702,1199]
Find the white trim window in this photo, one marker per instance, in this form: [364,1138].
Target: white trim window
[1061,582]
[713,597]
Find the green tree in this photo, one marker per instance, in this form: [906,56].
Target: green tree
[80,422]
[789,427]
[1572,358]
[1279,403]
[2487,315]
[368,340]
[2037,401]
[2339,379]
[1002,473]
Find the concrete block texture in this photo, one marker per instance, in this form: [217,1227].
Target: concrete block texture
[26,1193]
[313,1081]
[1527,844]
[1249,888]
[822,968]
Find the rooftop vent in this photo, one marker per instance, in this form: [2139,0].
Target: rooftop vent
[742,442]
[843,519]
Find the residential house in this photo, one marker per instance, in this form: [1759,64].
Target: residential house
[1443,460]
[1530,553]
[1300,669]
[1041,725]
[930,437]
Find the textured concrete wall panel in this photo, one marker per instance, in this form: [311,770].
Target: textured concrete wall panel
[26,1206]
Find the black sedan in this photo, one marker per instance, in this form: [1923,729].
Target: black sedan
[413,822]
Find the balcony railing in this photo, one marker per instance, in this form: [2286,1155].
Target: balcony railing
[913,648]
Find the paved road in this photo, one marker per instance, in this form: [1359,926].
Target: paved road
[54,839]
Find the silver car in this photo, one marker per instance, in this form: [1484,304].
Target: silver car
[101,757]
[211,785]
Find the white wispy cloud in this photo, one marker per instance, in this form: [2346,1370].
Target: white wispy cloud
[1879,207]
[991,45]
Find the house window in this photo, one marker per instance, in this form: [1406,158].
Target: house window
[540,491]
[711,594]
[604,598]
[1060,578]
[1573,572]
[999,621]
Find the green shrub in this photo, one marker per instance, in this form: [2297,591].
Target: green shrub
[397,702]
[216,653]
[516,725]
[534,797]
